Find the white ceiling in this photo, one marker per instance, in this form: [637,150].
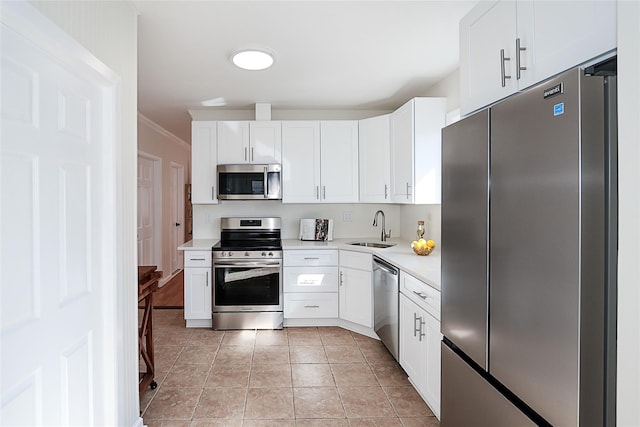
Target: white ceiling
[330,55]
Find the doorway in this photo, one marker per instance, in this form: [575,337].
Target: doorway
[149,231]
[176,194]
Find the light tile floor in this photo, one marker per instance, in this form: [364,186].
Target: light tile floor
[302,377]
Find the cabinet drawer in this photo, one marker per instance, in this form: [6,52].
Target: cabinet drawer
[310,279]
[310,305]
[422,294]
[197,258]
[311,258]
[358,260]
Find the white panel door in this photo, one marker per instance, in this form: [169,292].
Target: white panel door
[356,296]
[146,206]
[57,227]
[197,293]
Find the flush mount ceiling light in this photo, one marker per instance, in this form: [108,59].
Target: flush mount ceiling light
[251,59]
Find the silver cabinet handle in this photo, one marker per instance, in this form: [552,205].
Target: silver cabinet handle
[519,68]
[341,278]
[503,74]
[420,294]
[311,306]
[245,154]
[206,281]
[324,192]
[418,331]
[408,187]
[196,259]
[317,192]
[386,191]
[213,192]
[252,154]
[306,258]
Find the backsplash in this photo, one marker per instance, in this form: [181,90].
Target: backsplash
[206,218]
[402,220]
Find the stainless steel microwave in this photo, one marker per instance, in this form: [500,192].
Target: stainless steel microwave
[249,182]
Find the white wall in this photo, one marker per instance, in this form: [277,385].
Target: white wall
[628,410]
[206,218]
[158,142]
[448,87]
[109,31]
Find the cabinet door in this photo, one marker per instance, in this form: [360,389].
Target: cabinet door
[356,296]
[557,35]
[431,390]
[203,163]
[197,293]
[484,32]
[412,348]
[374,160]
[265,142]
[233,143]
[300,162]
[429,119]
[402,154]
[339,161]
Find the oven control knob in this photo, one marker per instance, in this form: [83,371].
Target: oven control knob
[229,253]
[246,254]
[263,254]
[270,253]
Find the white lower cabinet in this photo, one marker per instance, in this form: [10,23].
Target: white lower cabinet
[420,345]
[310,283]
[197,288]
[356,293]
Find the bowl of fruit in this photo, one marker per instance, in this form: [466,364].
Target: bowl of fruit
[423,247]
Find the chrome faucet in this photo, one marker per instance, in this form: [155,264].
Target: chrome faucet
[384,236]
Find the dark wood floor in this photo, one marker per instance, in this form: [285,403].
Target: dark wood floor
[171,295]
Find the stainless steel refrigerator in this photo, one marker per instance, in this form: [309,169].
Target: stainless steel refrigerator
[528,258]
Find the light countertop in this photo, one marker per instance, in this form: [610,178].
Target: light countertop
[425,268]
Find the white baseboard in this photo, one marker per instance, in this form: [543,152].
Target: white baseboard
[138,423]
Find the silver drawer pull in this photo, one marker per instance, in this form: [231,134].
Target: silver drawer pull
[196,259]
[420,294]
[311,306]
[308,258]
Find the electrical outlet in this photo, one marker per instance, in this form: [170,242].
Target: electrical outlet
[346,216]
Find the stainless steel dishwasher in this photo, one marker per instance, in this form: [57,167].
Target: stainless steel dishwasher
[385,303]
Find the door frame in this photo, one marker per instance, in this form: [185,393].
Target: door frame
[157,206]
[176,239]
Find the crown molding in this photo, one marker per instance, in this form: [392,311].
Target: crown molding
[162,131]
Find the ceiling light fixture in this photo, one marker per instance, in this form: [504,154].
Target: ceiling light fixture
[252,59]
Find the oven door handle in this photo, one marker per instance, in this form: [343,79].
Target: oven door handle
[247,264]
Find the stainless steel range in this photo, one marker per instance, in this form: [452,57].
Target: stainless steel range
[247,274]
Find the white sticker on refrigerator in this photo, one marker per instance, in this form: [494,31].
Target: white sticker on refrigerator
[558,109]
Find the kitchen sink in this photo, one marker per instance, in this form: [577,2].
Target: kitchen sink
[372,244]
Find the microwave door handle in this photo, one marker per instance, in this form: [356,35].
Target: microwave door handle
[266,182]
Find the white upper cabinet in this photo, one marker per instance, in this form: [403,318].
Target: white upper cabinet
[416,151]
[249,142]
[320,161]
[203,163]
[374,161]
[507,46]
[300,161]
[339,161]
